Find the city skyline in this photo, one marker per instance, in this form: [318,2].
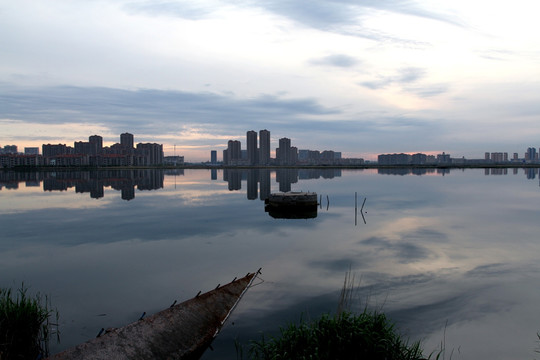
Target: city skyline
[369,78]
[257,152]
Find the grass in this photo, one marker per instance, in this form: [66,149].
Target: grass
[24,325]
[368,335]
[345,335]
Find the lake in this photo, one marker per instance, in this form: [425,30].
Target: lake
[451,256]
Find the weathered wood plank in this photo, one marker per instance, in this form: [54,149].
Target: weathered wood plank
[183,331]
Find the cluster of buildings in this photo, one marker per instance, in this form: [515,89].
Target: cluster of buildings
[530,156]
[415,159]
[257,153]
[86,153]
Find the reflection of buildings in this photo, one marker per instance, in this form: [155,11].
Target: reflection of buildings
[496,171]
[286,177]
[260,179]
[413,171]
[304,174]
[265,184]
[252,184]
[11,179]
[234,178]
[92,182]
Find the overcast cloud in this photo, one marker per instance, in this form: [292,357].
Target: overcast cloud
[358,77]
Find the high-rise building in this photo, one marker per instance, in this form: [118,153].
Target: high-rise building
[498,157]
[234,152]
[213,157]
[149,154]
[126,140]
[97,144]
[264,147]
[531,154]
[225,157]
[10,149]
[251,144]
[283,152]
[55,149]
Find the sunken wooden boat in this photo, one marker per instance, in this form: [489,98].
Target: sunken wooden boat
[292,205]
[292,199]
[183,331]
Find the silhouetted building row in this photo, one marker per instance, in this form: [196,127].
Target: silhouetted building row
[415,159]
[258,153]
[87,153]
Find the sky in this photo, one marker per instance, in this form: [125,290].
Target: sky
[362,77]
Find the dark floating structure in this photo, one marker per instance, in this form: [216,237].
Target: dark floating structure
[292,205]
[182,331]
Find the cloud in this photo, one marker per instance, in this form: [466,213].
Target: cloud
[403,76]
[407,78]
[347,16]
[168,113]
[428,91]
[496,54]
[152,111]
[338,60]
[183,9]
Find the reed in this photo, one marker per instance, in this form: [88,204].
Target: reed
[24,325]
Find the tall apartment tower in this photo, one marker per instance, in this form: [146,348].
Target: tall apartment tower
[283,152]
[97,144]
[530,154]
[213,157]
[126,140]
[234,152]
[251,143]
[264,147]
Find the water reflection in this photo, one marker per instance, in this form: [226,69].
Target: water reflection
[92,181]
[259,180]
[459,251]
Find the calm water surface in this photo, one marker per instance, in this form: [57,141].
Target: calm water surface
[450,257]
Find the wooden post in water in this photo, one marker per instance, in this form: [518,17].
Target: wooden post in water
[355,208]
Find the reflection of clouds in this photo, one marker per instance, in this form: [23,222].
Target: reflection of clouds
[424,306]
[405,252]
[488,269]
[341,264]
[420,305]
[34,199]
[440,255]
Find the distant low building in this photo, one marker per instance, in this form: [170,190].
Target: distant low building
[31,151]
[173,160]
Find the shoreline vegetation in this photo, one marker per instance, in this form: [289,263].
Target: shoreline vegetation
[346,334]
[25,324]
[272,167]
